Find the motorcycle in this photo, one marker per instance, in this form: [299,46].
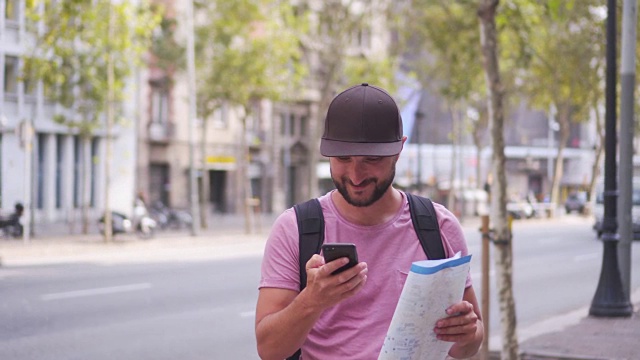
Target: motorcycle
[144,226]
[11,226]
[168,218]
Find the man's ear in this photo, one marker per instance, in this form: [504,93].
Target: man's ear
[404,139]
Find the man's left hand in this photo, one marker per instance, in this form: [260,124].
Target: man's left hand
[460,326]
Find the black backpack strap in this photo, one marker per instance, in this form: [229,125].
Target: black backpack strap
[425,223]
[311,237]
[311,233]
[295,356]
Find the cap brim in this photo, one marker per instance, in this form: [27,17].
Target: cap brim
[331,148]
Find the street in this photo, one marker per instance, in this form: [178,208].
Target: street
[203,308]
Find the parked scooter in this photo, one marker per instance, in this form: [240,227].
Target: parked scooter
[144,226]
[11,226]
[168,218]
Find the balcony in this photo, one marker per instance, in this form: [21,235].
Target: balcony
[161,132]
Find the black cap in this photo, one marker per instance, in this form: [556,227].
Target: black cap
[363,120]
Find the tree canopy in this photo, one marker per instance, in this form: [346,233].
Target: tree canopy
[70,53]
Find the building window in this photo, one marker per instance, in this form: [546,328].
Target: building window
[30,87]
[77,172]
[221,116]
[287,124]
[94,170]
[41,170]
[293,123]
[159,106]
[11,10]
[304,123]
[283,126]
[11,75]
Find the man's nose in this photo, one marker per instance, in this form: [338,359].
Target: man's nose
[358,172]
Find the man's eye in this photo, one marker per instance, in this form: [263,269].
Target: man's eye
[344,158]
[374,159]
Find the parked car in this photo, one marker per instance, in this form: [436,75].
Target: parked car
[598,210]
[575,202]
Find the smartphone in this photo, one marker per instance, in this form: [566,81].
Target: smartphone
[333,251]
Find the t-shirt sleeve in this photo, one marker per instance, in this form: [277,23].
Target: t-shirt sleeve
[452,235]
[280,261]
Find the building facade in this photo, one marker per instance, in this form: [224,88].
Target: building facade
[440,158]
[47,166]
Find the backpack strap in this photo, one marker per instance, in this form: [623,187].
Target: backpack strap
[311,234]
[425,223]
[311,237]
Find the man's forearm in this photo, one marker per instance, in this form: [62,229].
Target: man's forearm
[281,334]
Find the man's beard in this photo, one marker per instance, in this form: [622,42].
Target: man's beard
[379,190]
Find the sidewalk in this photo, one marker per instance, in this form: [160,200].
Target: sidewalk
[225,237]
[590,338]
[572,336]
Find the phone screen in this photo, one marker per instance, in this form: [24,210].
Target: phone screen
[337,250]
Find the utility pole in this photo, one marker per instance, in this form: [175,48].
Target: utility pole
[627,86]
[191,74]
[610,300]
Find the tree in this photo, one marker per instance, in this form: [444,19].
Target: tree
[441,46]
[84,59]
[338,52]
[246,51]
[502,228]
[565,55]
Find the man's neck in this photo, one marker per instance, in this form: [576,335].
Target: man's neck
[379,212]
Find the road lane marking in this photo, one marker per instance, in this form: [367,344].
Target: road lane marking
[585,257]
[95,292]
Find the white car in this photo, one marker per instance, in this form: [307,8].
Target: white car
[598,210]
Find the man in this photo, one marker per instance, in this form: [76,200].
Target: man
[347,315]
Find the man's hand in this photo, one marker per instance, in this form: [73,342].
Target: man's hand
[285,317]
[324,290]
[462,327]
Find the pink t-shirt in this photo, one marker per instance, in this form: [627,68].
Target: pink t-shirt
[355,328]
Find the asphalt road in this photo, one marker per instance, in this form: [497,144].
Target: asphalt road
[198,308]
[192,310]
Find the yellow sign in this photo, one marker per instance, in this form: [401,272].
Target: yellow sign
[224,163]
[221,159]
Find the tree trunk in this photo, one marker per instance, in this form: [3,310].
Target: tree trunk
[501,225]
[451,198]
[563,121]
[245,182]
[477,142]
[204,179]
[108,220]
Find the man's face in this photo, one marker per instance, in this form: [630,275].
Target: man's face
[362,180]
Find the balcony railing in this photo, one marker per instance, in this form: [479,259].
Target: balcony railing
[161,132]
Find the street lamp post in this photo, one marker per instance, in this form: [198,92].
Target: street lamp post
[610,299]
